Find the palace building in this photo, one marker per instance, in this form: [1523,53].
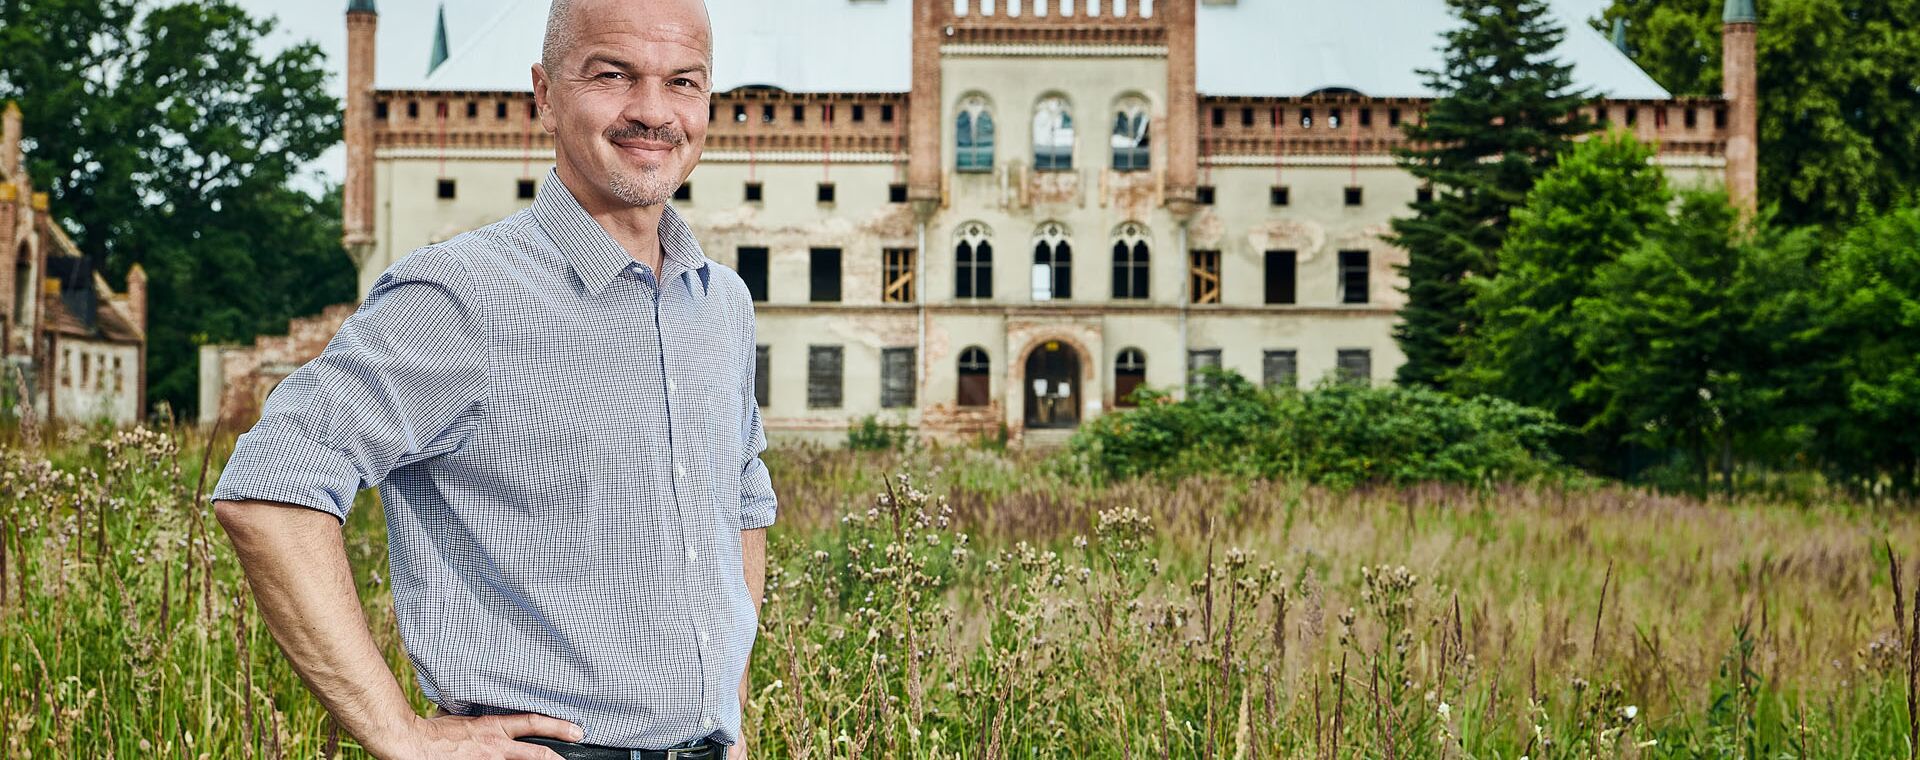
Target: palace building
[963,214]
[75,349]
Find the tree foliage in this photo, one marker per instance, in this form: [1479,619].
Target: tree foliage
[167,137]
[1869,332]
[1507,107]
[1839,85]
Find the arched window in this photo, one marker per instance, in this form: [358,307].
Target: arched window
[974,376]
[1052,264]
[973,136]
[1129,371]
[1130,270]
[1130,142]
[973,262]
[22,285]
[1052,135]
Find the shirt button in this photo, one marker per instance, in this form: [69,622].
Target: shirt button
[706,723]
[670,385]
[691,554]
[679,470]
[704,638]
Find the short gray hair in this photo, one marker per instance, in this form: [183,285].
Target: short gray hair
[561,36]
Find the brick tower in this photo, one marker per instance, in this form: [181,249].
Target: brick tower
[357,205]
[1741,77]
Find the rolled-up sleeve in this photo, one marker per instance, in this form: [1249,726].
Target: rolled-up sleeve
[403,380]
[757,502]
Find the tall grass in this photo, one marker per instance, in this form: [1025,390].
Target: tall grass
[967,603]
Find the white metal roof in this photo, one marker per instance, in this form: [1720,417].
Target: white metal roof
[1252,47]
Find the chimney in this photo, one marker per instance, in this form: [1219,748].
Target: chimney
[930,19]
[1741,75]
[137,296]
[10,157]
[1183,108]
[357,204]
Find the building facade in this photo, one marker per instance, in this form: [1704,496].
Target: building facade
[75,349]
[961,215]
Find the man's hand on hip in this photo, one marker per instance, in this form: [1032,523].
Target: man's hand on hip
[490,737]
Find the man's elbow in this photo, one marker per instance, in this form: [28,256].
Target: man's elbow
[247,521]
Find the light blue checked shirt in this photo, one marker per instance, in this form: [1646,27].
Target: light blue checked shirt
[567,450]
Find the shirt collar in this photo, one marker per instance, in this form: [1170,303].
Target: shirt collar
[598,258]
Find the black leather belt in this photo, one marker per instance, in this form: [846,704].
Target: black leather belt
[706,750]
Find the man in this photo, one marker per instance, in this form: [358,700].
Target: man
[558,410]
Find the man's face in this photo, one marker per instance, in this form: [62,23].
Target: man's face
[626,101]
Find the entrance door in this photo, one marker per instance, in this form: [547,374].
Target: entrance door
[1053,386]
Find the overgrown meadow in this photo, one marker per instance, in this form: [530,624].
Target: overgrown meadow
[972,602]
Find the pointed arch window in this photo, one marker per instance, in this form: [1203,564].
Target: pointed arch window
[1052,135]
[1131,148]
[1129,371]
[1052,264]
[1131,272]
[973,136]
[973,262]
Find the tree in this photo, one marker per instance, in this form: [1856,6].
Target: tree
[1839,96]
[1870,328]
[1583,214]
[1680,333]
[1506,108]
[167,138]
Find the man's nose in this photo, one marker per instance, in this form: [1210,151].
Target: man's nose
[648,107]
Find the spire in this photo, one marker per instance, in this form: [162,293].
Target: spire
[361,6]
[1620,33]
[1740,12]
[439,40]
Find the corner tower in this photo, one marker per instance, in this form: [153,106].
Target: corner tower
[357,205]
[1741,78]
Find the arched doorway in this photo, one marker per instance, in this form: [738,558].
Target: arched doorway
[1053,386]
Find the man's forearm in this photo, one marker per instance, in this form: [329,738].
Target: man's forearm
[296,562]
[753,565]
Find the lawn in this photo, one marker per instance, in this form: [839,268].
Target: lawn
[969,602]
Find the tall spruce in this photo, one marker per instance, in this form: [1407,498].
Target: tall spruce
[1507,107]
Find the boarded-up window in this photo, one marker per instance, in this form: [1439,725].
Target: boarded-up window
[975,377]
[824,264]
[1129,371]
[1281,368]
[1204,272]
[753,269]
[1198,359]
[762,374]
[823,377]
[896,377]
[1356,365]
[1353,277]
[1281,277]
[898,287]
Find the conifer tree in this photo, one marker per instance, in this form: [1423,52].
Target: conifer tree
[1507,107]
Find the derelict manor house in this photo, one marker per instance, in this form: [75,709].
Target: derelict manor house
[963,213]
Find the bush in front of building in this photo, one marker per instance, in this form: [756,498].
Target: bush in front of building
[1339,434]
[870,433]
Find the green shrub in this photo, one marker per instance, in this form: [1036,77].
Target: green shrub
[1338,434]
[871,434]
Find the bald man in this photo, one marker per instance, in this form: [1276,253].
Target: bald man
[558,411]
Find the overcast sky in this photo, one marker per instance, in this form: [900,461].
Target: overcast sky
[406,36]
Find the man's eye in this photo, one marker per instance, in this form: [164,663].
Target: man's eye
[683,81]
[610,74]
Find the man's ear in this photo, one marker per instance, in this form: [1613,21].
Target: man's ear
[541,95]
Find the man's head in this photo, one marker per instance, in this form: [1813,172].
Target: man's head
[623,87]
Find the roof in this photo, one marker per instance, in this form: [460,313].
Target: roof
[1254,48]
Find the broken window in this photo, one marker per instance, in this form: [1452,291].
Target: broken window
[1203,270]
[1130,269]
[1198,359]
[973,136]
[1280,368]
[823,377]
[975,377]
[1354,287]
[1052,135]
[752,267]
[762,374]
[1129,372]
[1052,265]
[973,263]
[824,280]
[896,378]
[1282,269]
[1130,141]
[898,287]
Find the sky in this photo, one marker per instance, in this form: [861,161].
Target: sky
[324,22]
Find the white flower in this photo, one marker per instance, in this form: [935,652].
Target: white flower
[1446,712]
[1629,712]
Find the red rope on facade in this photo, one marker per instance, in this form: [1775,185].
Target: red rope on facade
[1279,145]
[526,150]
[440,117]
[826,143]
